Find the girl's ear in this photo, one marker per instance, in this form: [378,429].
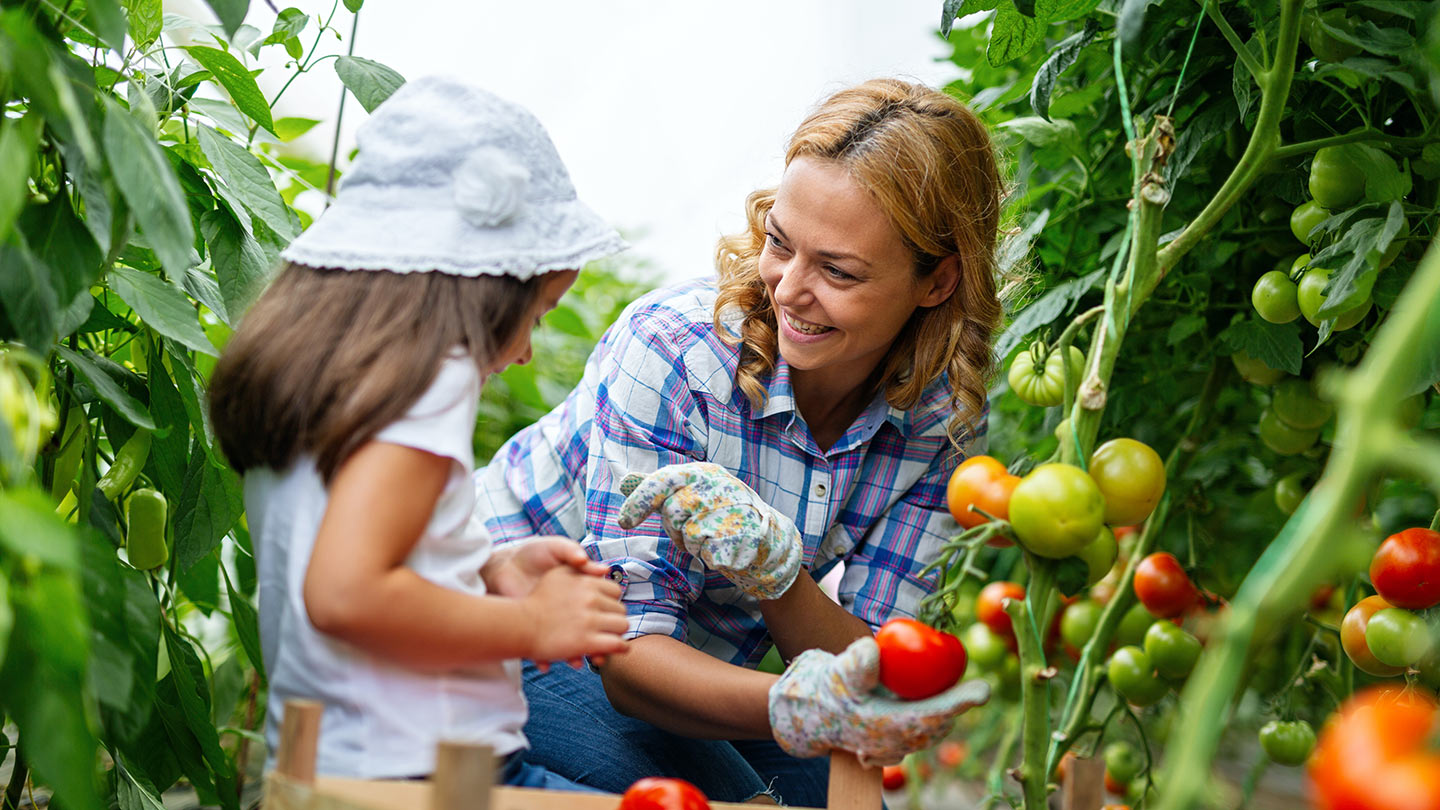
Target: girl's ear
[941,284]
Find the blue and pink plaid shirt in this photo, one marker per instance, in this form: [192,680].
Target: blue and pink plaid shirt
[660,389]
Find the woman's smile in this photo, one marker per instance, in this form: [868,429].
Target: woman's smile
[801,330]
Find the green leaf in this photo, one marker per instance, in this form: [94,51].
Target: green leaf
[107,21]
[18,139]
[1045,309]
[1042,133]
[1025,7]
[27,297]
[106,388]
[1013,35]
[247,626]
[170,445]
[202,285]
[29,528]
[1354,259]
[201,582]
[1384,179]
[288,24]
[146,20]
[192,393]
[237,81]
[1243,85]
[1367,35]
[948,14]
[162,306]
[1061,10]
[1016,247]
[1184,327]
[290,128]
[60,240]
[7,617]
[1061,58]
[209,505]
[48,79]
[147,181]
[240,264]
[353,6]
[369,81]
[1277,345]
[134,792]
[231,14]
[194,696]
[247,178]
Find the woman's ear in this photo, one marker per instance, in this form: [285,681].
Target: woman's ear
[941,284]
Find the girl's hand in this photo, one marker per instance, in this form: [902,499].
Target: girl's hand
[515,568]
[826,701]
[575,615]
[722,522]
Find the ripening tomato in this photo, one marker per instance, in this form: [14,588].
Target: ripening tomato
[918,661]
[1287,743]
[1131,478]
[1114,786]
[1056,510]
[1375,754]
[663,793]
[1406,569]
[1397,637]
[982,482]
[1163,586]
[892,777]
[1352,637]
[990,606]
[951,753]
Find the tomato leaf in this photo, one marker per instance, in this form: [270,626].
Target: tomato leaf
[1013,35]
[1071,576]
[1277,345]
[369,81]
[1061,58]
[1045,309]
[1354,258]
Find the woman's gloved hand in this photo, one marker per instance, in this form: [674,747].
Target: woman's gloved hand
[722,522]
[825,701]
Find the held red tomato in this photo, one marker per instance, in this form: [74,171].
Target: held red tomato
[1406,569]
[983,482]
[1131,478]
[1163,586]
[663,793]
[990,606]
[1374,753]
[892,777]
[918,661]
[1056,510]
[1352,637]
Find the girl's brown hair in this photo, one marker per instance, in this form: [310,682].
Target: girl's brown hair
[327,358]
[930,164]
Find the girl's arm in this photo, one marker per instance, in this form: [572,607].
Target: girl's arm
[359,590]
[805,618]
[674,686]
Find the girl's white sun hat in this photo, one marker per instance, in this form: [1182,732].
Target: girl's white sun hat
[453,179]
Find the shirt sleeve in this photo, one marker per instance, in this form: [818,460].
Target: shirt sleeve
[882,578]
[646,416]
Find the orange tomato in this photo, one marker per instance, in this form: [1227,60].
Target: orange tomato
[990,606]
[983,482]
[1374,753]
[1352,637]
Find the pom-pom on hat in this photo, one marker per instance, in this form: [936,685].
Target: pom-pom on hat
[453,179]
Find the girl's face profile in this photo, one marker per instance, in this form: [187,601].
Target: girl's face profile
[839,275]
[553,285]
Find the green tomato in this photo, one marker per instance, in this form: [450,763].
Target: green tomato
[1397,637]
[1290,491]
[1172,650]
[1056,510]
[987,649]
[1131,478]
[1133,677]
[1287,743]
[1283,439]
[1326,45]
[1429,668]
[1123,761]
[1305,217]
[1255,371]
[1043,383]
[1336,182]
[1295,403]
[1099,555]
[1133,625]
[1311,297]
[1275,297]
[1078,622]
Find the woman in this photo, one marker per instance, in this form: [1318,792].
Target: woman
[836,367]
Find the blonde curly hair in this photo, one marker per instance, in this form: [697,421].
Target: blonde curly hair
[928,161]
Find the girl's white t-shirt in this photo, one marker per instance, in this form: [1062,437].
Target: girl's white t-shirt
[382,719]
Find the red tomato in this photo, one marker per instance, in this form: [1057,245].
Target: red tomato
[663,793]
[984,482]
[1374,753]
[1113,785]
[951,753]
[990,606]
[1406,569]
[1163,586]
[1063,768]
[1352,637]
[893,777]
[916,660]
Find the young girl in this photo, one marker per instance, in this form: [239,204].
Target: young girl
[348,399]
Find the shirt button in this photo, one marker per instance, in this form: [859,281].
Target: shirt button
[819,490]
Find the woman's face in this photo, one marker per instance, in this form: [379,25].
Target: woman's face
[518,351]
[840,277]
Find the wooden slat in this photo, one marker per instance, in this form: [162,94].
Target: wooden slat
[464,775]
[1084,787]
[852,785]
[299,736]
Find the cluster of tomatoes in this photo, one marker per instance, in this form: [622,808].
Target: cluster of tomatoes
[1388,633]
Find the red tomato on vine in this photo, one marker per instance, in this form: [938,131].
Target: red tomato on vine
[990,606]
[1163,587]
[1406,569]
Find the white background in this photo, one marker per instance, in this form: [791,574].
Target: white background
[667,113]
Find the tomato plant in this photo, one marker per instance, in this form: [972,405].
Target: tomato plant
[1311,297]
[1397,637]
[984,483]
[1353,637]
[916,660]
[663,793]
[1056,510]
[1406,569]
[1287,743]
[1037,376]
[1163,587]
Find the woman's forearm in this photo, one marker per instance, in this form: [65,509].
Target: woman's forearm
[674,686]
[805,618]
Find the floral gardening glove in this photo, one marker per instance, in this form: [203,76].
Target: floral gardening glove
[825,701]
[719,520]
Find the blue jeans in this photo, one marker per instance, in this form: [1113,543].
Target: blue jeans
[519,771]
[577,734]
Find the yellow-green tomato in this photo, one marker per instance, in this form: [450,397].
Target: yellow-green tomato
[1255,371]
[1398,637]
[1283,439]
[1311,296]
[1056,510]
[1131,478]
[1078,622]
[1336,181]
[1133,677]
[1172,650]
[1043,384]
[1304,219]
[1099,555]
[1295,403]
[987,649]
[1275,297]
[1133,625]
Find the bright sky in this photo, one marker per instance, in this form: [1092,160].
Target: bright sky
[667,113]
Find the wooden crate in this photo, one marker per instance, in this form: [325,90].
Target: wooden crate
[465,780]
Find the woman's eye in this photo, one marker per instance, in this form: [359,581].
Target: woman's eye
[838,274]
[774,241]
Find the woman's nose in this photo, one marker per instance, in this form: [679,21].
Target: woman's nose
[791,288]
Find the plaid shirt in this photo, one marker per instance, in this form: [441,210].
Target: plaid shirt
[659,389]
